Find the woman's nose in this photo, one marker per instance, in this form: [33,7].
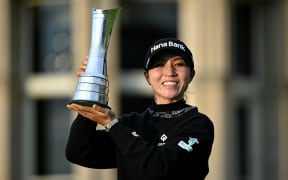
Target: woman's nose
[169,69]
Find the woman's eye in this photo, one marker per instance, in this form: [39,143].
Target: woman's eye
[180,64]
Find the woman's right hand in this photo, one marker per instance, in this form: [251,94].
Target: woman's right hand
[82,67]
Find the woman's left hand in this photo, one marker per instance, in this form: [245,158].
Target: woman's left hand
[96,113]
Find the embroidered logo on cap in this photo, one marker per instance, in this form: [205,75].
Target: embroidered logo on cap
[168,44]
[188,147]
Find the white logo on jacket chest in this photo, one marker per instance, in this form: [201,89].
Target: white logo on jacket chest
[163,138]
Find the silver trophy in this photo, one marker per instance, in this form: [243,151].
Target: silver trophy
[92,87]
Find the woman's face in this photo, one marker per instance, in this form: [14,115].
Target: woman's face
[169,79]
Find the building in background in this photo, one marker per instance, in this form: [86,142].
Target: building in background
[241,81]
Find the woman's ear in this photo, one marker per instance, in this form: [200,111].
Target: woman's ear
[146,74]
[192,74]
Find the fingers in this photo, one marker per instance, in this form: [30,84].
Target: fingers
[83,67]
[95,113]
[79,108]
[71,107]
[100,109]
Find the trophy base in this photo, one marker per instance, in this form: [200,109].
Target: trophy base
[87,103]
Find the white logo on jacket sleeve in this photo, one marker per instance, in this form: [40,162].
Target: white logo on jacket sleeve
[188,147]
[134,133]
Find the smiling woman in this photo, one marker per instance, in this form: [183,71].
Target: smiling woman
[169,140]
[169,77]
[169,69]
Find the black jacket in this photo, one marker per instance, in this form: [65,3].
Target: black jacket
[164,142]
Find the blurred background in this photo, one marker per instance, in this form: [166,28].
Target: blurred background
[241,83]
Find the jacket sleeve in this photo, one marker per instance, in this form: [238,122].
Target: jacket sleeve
[89,147]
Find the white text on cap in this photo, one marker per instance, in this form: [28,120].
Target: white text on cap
[169,44]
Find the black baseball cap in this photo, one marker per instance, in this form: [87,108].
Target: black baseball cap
[172,45]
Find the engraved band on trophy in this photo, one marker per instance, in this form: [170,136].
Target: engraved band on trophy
[92,87]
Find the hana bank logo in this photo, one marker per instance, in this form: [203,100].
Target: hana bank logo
[168,44]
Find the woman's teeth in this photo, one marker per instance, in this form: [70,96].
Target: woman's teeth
[169,83]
